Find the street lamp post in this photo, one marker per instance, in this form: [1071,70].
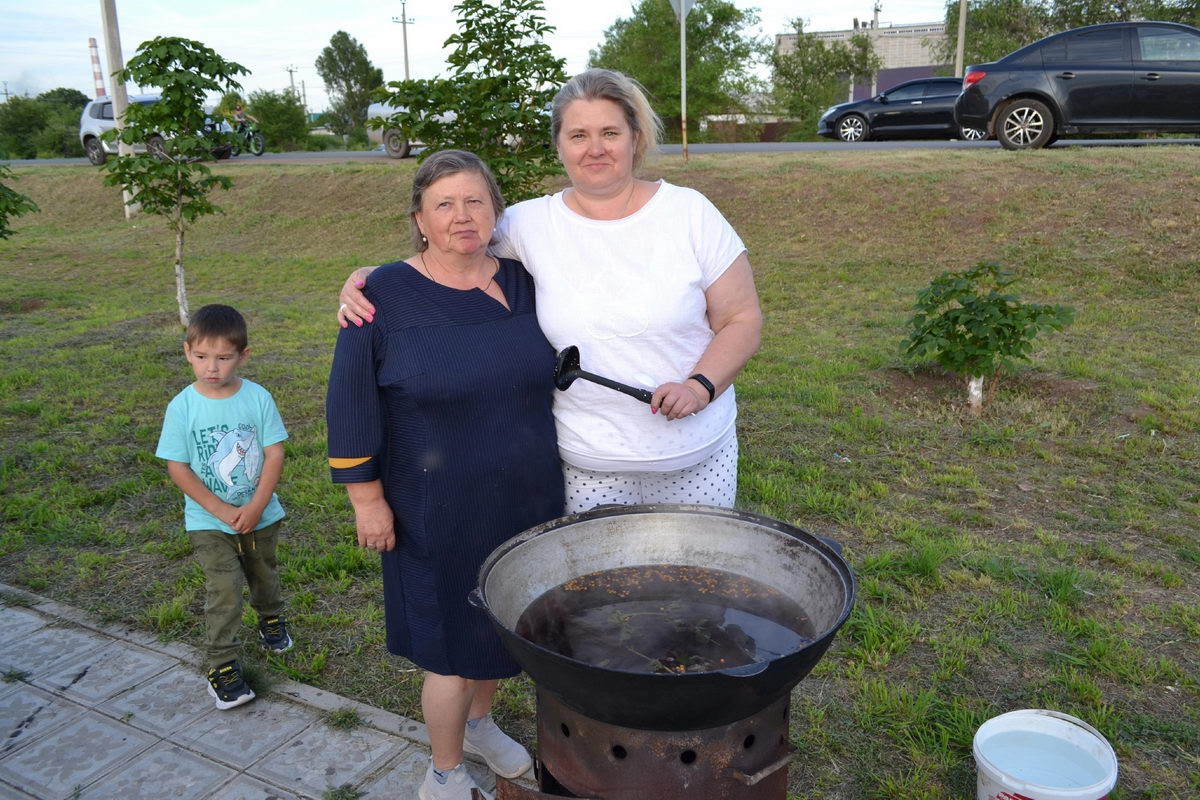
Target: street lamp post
[404,23]
[682,7]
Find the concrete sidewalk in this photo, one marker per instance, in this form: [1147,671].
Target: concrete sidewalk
[91,711]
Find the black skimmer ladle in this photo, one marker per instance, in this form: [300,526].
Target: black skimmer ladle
[566,370]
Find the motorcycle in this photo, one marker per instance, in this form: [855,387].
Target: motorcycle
[246,137]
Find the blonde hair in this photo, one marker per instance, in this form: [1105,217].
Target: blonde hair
[608,84]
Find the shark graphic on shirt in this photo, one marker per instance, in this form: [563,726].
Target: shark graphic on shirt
[237,448]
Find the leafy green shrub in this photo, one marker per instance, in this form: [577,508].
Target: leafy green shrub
[972,327]
[12,204]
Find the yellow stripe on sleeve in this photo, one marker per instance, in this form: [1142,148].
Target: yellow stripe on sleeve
[347,463]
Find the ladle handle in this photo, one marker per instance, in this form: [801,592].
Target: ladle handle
[639,394]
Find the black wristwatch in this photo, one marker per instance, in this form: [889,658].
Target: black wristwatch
[706,383]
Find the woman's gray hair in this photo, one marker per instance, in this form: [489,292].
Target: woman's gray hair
[438,166]
[608,84]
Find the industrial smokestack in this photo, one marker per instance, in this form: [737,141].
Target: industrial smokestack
[97,75]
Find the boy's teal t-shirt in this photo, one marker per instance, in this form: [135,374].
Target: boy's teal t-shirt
[222,441]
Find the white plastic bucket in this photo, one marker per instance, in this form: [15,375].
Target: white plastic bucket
[1033,754]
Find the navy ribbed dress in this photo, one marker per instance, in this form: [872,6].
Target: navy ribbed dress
[447,395]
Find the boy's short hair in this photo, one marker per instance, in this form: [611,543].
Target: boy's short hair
[218,321]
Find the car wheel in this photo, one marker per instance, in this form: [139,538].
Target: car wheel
[157,147]
[1025,125]
[95,152]
[395,144]
[257,144]
[972,134]
[853,128]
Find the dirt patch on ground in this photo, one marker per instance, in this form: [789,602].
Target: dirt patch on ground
[903,386]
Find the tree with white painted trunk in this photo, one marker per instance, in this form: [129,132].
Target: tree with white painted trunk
[970,324]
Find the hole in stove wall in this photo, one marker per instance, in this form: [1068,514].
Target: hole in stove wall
[688,756]
[748,742]
[618,752]
[565,730]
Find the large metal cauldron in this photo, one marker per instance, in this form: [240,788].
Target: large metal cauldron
[803,567]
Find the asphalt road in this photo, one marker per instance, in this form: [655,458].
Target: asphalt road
[698,149]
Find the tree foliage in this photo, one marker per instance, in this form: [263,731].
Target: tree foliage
[71,98]
[721,58]
[171,180]
[816,74]
[12,203]
[503,77]
[349,78]
[280,118]
[997,27]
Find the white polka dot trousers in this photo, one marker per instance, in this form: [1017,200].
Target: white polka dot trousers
[712,482]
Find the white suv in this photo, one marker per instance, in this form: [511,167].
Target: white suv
[97,119]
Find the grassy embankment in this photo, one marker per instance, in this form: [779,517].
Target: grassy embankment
[1045,555]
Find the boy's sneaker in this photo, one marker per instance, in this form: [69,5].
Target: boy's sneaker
[506,758]
[458,786]
[274,635]
[226,686]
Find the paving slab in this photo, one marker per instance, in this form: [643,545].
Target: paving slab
[27,712]
[92,711]
[321,758]
[72,756]
[243,735]
[112,669]
[165,770]
[243,787]
[166,703]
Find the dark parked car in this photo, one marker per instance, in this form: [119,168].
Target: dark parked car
[918,109]
[1119,77]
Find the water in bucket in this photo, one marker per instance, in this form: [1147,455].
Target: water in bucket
[1042,755]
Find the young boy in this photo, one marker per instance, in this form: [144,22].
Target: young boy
[222,439]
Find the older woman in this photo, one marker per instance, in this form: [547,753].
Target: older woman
[653,285]
[440,426]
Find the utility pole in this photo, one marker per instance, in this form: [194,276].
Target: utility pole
[682,7]
[404,23]
[116,63]
[960,45]
[304,98]
[291,71]
[5,90]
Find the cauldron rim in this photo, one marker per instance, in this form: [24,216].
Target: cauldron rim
[801,660]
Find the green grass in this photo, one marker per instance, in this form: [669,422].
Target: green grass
[1046,554]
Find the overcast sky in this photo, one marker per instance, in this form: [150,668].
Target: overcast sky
[43,43]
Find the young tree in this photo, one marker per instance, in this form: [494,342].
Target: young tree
[503,78]
[12,203]
[170,179]
[280,118]
[721,58]
[350,77]
[815,74]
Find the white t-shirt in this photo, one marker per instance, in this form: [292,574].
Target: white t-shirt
[630,294]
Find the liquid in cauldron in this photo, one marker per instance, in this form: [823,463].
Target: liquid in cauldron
[666,618]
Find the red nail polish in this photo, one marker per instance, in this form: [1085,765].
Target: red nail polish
[654,411]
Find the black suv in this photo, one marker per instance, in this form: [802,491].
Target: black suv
[923,108]
[1114,78]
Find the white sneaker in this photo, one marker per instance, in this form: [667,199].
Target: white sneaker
[506,758]
[458,786]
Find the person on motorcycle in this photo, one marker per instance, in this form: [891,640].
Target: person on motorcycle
[240,115]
